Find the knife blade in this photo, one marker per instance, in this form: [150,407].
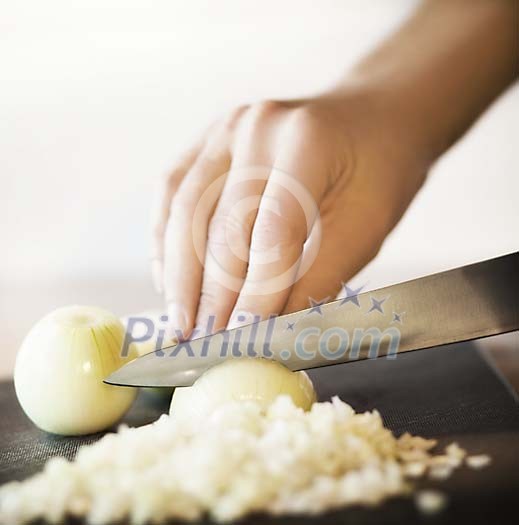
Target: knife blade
[457,305]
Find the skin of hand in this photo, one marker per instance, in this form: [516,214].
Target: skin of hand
[360,170]
[232,234]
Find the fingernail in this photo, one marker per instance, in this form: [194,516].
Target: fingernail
[178,326]
[156,275]
[240,318]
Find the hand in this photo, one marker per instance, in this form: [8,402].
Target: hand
[332,174]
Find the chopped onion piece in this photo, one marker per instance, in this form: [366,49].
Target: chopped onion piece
[478,462]
[430,501]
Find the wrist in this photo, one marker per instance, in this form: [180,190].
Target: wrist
[432,89]
[382,114]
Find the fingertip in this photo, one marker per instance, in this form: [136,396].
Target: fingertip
[179,326]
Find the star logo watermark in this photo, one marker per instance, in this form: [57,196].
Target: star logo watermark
[290,326]
[376,305]
[351,295]
[397,317]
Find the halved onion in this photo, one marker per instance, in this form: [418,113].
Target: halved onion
[244,379]
[60,369]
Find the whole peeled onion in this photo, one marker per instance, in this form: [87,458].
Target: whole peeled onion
[60,369]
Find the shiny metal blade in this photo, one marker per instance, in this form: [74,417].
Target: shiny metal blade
[457,305]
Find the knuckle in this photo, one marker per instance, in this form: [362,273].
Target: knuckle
[216,230]
[186,199]
[276,230]
[310,129]
[304,117]
[261,113]
[230,121]
[237,226]
[228,229]
[212,159]
[208,159]
[265,108]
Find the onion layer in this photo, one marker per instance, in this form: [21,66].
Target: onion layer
[60,369]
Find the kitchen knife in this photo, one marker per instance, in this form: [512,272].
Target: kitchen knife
[465,303]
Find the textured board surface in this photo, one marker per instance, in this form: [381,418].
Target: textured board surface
[449,393]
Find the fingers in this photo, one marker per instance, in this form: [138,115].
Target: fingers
[186,233]
[237,230]
[160,212]
[289,207]
[230,228]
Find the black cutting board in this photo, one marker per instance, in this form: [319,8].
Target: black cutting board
[449,393]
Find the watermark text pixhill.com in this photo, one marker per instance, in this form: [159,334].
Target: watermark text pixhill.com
[258,340]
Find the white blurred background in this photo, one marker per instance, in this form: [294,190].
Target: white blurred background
[97,98]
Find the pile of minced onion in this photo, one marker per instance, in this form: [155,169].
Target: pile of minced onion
[247,437]
[239,460]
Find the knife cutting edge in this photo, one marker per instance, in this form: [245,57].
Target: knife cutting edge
[465,303]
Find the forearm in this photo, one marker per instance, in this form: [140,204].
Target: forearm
[440,71]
